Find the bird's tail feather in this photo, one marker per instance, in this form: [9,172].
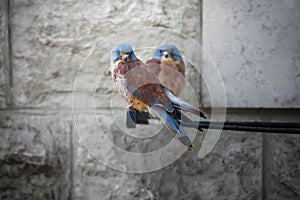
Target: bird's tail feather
[180,117]
[174,127]
[182,105]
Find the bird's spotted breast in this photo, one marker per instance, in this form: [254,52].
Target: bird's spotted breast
[121,84]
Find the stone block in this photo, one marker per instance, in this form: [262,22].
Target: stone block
[256,47]
[52,40]
[35,156]
[282,160]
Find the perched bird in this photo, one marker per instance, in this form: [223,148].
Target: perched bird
[143,91]
[168,66]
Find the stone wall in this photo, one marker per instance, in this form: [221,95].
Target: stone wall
[56,91]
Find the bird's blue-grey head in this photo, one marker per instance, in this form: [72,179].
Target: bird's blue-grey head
[123,52]
[175,54]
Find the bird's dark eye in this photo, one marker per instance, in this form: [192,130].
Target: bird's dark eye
[118,52]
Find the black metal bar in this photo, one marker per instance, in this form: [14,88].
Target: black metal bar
[133,117]
[267,127]
[262,124]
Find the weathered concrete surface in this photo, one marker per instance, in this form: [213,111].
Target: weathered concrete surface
[92,180]
[231,171]
[51,40]
[282,173]
[36,148]
[256,46]
[35,157]
[281,161]
[236,160]
[280,155]
[4,57]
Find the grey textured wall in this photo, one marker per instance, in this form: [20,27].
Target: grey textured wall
[42,46]
[262,39]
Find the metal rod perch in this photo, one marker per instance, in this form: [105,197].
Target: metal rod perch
[266,127]
[134,117]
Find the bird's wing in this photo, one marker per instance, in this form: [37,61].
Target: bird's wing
[183,105]
[177,131]
[170,74]
[144,85]
[180,67]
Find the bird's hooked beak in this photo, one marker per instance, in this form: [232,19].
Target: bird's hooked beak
[166,56]
[125,56]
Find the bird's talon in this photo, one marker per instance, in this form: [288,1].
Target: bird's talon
[129,107]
